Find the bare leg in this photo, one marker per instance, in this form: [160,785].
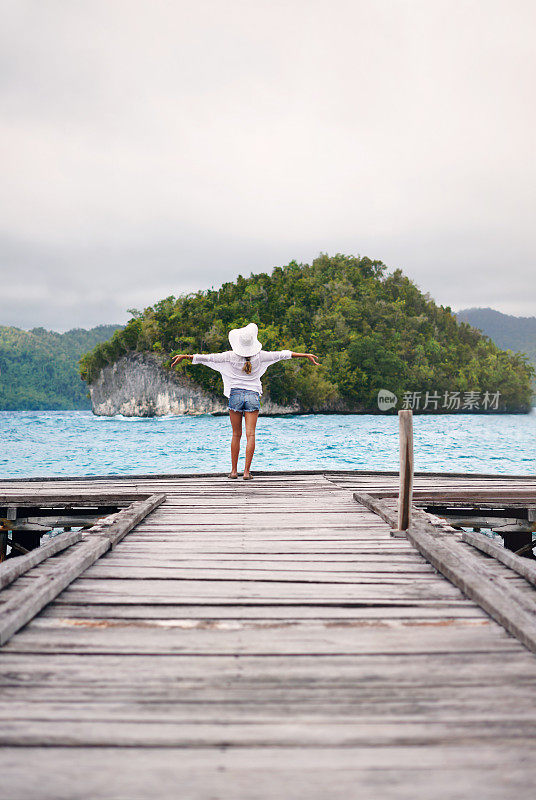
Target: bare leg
[236,422]
[251,424]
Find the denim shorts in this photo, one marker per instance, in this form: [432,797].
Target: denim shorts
[244,400]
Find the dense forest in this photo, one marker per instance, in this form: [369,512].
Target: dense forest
[39,368]
[372,330]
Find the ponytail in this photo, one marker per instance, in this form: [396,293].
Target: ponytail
[247,366]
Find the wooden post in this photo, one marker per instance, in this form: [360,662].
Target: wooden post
[405,425]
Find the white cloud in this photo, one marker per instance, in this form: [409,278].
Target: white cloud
[157,144]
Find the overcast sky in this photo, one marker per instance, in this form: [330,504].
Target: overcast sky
[152,148]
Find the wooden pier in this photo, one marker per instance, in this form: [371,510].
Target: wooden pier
[268,639]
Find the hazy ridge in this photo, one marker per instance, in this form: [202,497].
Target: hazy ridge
[39,368]
[508,332]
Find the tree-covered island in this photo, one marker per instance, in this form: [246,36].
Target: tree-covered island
[372,330]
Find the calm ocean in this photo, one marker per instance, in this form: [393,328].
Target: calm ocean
[59,443]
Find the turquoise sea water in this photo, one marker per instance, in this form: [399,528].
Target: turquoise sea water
[61,443]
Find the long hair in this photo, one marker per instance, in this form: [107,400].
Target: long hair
[247,366]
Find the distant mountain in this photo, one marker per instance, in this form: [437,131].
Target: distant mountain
[508,332]
[39,368]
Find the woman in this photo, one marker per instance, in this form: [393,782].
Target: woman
[241,369]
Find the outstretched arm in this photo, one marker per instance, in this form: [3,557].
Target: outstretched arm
[312,358]
[212,360]
[180,358]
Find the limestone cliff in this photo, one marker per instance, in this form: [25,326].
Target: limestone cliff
[138,386]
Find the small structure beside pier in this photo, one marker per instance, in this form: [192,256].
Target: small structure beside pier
[222,639]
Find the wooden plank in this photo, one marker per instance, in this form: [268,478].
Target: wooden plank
[275,637]
[320,575]
[522,566]
[128,554]
[335,772]
[495,523]
[66,498]
[130,569]
[164,591]
[23,606]
[377,506]
[467,669]
[307,731]
[248,708]
[128,518]
[505,604]
[118,763]
[292,773]
[457,609]
[255,697]
[514,495]
[14,567]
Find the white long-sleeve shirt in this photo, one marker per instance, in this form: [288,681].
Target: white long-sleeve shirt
[231,367]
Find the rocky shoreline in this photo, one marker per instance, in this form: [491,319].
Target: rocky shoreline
[137,385]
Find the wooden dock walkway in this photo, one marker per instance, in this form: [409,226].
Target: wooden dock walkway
[266,640]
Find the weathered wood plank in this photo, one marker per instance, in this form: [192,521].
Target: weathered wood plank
[130,555]
[260,637]
[447,611]
[22,606]
[521,565]
[247,709]
[337,773]
[438,669]
[240,773]
[496,496]
[318,576]
[256,698]
[307,731]
[52,498]
[505,604]
[164,591]
[12,569]
[378,506]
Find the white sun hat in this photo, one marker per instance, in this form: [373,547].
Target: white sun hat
[244,341]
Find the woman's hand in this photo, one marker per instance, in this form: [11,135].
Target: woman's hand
[180,358]
[309,356]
